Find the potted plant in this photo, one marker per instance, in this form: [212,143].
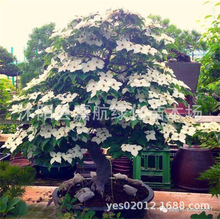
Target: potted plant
[105,87]
[196,157]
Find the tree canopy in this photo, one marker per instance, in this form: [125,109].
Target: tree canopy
[35,53]
[185,41]
[7,65]
[106,86]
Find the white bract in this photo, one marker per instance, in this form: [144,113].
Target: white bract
[119,105]
[101,135]
[150,135]
[56,157]
[132,148]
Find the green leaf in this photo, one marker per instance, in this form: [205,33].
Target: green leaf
[44,142]
[217,4]
[208,16]
[3,204]
[134,123]
[12,203]
[206,2]
[20,209]
[201,216]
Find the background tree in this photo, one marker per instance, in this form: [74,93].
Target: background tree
[35,53]
[185,41]
[7,65]
[6,89]
[209,80]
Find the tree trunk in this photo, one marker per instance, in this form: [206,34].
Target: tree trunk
[103,169]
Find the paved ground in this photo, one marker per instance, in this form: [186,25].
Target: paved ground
[38,197]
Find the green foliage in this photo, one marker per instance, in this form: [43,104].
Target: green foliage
[14,178]
[115,63]
[6,89]
[185,41]
[8,128]
[209,80]
[201,216]
[212,175]
[35,53]
[66,211]
[6,63]
[208,104]
[12,207]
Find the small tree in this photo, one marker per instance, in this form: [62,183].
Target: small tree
[35,53]
[105,87]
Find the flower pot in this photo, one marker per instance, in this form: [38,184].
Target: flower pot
[20,161]
[122,165]
[136,212]
[188,72]
[64,172]
[4,157]
[187,165]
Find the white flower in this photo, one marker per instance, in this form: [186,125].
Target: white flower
[164,52]
[150,135]
[106,76]
[140,83]
[187,130]
[167,129]
[133,149]
[124,44]
[103,85]
[61,132]
[92,65]
[77,151]
[91,87]
[46,131]
[9,142]
[46,110]
[33,96]
[143,112]
[66,97]
[56,157]
[141,49]
[31,136]
[60,110]
[120,105]
[47,97]
[151,119]
[67,157]
[123,124]
[106,82]
[178,94]
[154,103]
[16,108]
[80,111]
[153,51]
[101,135]
[81,128]
[74,65]
[13,142]
[49,50]
[209,127]
[178,137]
[115,84]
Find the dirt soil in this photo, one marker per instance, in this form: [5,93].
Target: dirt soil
[117,195]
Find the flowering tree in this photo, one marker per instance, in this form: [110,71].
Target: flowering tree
[105,86]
